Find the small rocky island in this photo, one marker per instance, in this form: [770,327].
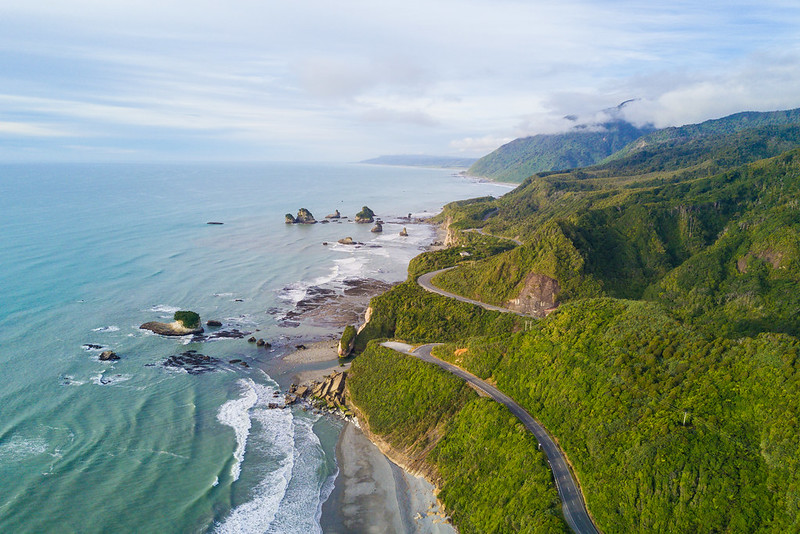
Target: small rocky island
[185,323]
[303,217]
[365,216]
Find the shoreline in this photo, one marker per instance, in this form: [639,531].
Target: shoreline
[372,492]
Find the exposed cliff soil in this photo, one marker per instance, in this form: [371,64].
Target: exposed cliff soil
[537,297]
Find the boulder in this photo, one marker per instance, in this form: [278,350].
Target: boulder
[404,232]
[334,215]
[378,228]
[108,355]
[174,328]
[260,343]
[251,340]
[214,323]
[304,217]
[366,215]
[347,241]
[290,219]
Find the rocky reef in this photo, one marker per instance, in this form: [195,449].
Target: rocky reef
[185,323]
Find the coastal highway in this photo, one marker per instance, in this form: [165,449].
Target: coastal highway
[425,282]
[572,504]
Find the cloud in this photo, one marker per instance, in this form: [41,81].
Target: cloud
[480,145]
[30,130]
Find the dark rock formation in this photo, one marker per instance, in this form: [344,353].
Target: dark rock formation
[92,346]
[290,219]
[214,323]
[193,362]
[304,217]
[334,215]
[108,355]
[378,228]
[251,340]
[366,215]
[214,222]
[175,328]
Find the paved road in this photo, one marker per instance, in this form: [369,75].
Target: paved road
[572,504]
[425,282]
[487,234]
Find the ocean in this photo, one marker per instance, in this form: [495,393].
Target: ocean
[147,444]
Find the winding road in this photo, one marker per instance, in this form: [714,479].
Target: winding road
[572,504]
[425,282]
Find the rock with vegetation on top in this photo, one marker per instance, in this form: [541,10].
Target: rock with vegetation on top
[185,323]
[304,217]
[366,215]
[290,219]
[334,215]
[378,228]
[348,341]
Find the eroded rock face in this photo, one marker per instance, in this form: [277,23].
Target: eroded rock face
[538,296]
[175,328]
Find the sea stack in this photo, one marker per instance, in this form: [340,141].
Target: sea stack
[378,228]
[366,215]
[304,217]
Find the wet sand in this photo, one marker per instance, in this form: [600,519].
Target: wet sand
[373,495]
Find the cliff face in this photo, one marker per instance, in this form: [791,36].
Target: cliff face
[537,297]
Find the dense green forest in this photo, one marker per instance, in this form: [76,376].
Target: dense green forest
[669,373]
[582,146]
[488,467]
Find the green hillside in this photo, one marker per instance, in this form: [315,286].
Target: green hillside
[669,371]
[515,161]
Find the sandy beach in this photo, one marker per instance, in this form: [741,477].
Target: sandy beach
[374,496]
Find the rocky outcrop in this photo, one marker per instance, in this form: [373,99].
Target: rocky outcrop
[290,219]
[347,241]
[329,391]
[347,342]
[304,217]
[365,216]
[378,228]
[404,232]
[334,215]
[451,236]
[214,323]
[537,297]
[367,317]
[108,355]
[174,328]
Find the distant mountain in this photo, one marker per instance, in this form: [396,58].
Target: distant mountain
[618,140]
[582,146]
[446,162]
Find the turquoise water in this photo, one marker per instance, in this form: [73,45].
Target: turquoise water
[89,252]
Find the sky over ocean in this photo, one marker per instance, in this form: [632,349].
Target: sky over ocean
[155,81]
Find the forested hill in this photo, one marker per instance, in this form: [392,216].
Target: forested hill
[666,361]
[620,141]
[582,146]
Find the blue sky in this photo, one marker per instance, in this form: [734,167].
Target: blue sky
[145,80]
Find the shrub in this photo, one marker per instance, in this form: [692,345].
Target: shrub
[188,319]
